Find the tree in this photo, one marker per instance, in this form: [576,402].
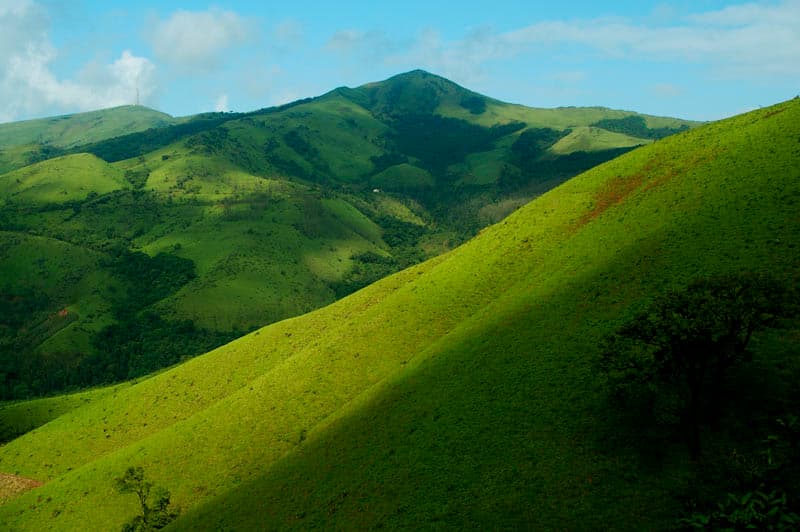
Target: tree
[154,501]
[672,358]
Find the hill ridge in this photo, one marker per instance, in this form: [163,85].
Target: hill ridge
[517,311]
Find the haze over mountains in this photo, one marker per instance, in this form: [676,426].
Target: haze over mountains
[131,239]
[461,392]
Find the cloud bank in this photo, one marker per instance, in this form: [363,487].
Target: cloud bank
[740,42]
[28,86]
[198,40]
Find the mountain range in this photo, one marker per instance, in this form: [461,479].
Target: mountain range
[462,392]
[130,240]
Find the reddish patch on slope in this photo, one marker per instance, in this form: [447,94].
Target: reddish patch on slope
[773,113]
[63,313]
[614,191]
[12,486]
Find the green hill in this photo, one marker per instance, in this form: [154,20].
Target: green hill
[274,213]
[459,393]
[60,180]
[22,143]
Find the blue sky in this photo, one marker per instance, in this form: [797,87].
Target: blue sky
[701,60]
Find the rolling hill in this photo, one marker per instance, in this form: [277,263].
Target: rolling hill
[246,219]
[460,392]
[22,143]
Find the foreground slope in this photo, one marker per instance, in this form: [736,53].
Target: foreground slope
[458,393]
[271,213]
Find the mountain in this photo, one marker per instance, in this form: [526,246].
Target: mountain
[155,245]
[22,143]
[461,392]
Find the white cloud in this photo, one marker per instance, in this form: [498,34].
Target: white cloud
[740,42]
[748,14]
[221,105]
[288,32]
[365,43]
[666,90]
[28,86]
[198,40]
[569,77]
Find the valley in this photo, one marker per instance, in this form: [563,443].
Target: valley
[141,240]
[437,282]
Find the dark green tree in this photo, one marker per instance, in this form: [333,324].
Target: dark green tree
[154,501]
[670,360]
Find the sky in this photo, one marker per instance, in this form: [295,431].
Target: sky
[701,60]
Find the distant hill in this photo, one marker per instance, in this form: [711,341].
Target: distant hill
[30,141]
[461,392]
[206,227]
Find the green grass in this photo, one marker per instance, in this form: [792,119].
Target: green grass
[81,128]
[32,140]
[19,417]
[456,394]
[276,208]
[586,138]
[403,177]
[59,180]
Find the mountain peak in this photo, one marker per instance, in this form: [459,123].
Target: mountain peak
[416,91]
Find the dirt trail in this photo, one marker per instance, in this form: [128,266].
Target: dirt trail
[12,486]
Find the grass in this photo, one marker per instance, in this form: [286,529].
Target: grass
[26,141]
[275,208]
[456,394]
[586,138]
[59,180]
[19,417]
[81,128]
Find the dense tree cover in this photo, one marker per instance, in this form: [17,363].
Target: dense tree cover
[671,359]
[533,143]
[136,144]
[139,343]
[439,141]
[636,126]
[299,140]
[527,169]
[42,152]
[684,366]
[18,302]
[145,343]
[150,278]
[475,104]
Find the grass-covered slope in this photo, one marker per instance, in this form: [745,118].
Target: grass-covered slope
[60,180]
[456,394]
[24,142]
[273,213]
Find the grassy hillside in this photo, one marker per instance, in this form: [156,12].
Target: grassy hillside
[22,143]
[60,180]
[273,213]
[459,393]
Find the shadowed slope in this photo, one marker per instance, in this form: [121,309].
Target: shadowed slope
[497,425]
[456,393]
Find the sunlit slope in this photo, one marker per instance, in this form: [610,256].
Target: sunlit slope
[59,180]
[25,141]
[497,426]
[23,416]
[286,209]
[70,130]
[457,393]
